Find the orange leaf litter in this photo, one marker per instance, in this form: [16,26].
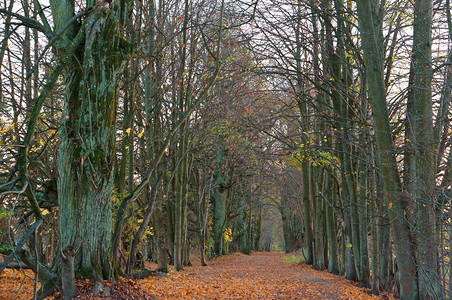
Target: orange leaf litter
[260,275]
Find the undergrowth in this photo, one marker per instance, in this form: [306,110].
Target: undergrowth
[293,259]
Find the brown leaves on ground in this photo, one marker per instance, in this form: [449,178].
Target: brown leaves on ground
[123,289]
[11,287]
[17,284]
[237,276]
[256,276]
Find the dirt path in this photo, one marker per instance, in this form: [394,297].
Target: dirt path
[257,276]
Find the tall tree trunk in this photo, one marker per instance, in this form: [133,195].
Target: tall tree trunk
[385,149]
[319,221]
[350,270]
[87,134]
[375,279]
[4,46]
[352,205]
[179,207]
[303,108]
[288,242]
[307,211]
[243,247]
[333,264]
[384,244]
[258,228]
[364,276]
[219,205]
[160,234]
[424,159]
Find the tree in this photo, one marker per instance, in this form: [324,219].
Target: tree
[87,134]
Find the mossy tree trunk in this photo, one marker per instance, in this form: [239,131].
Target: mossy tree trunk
[87,133]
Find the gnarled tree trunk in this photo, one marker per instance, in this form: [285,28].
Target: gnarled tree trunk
[87,134]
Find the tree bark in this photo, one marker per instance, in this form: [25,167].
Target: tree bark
[87,134]
[385,149]
[424,146]
[333,263]
[319,221]
[288,242]
[307,211]
[219,215]
[363,220]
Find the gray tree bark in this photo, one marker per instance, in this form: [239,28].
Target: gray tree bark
[385,150]
[424,155]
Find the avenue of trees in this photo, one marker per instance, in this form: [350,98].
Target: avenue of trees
[164,128]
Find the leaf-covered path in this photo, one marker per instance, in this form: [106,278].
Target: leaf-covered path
[257,276]
[260,275]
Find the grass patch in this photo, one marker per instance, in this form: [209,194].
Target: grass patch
[293,259]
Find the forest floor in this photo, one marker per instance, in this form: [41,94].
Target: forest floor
[261,275]
[236,276]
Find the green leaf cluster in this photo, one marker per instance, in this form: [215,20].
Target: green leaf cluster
[315,156]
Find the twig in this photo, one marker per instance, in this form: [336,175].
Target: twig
[16,192]
[9,183]
[20,287]
[29,22]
